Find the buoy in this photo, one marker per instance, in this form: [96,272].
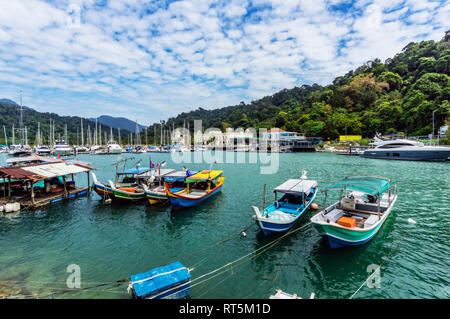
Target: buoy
[244,234]
[314,206]
[12,207]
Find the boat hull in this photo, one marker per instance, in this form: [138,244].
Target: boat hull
[178,202]
[338,237]
[102,190]
[269,227]
[409,155]
[156,197]
[128,196]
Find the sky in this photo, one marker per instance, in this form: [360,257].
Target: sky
[151,60]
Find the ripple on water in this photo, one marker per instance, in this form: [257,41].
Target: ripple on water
[111,242]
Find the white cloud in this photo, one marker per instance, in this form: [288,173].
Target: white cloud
[194,53]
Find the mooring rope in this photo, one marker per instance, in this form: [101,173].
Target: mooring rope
[256,254]
[96,285]
[384,261]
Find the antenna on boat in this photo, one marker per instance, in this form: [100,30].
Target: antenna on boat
[264,198]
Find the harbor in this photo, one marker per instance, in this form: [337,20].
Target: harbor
[132,238]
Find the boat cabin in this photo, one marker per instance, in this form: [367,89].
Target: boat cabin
[202,181]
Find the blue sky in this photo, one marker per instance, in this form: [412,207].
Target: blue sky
[150,60]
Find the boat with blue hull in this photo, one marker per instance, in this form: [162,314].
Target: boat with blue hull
[365,204]
[199,187]
[171,281]
[282,214]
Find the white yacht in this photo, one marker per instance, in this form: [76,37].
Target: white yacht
[81,150]
[19,150]
[62,148]
[404,149]
[113,148]
[43,150]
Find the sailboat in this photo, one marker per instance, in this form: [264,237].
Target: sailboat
[81,149]
[41,149]
[61,147]
[20,150]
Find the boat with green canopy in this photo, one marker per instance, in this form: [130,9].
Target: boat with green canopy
[364,205]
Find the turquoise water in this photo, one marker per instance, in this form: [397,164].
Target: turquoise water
[111,242]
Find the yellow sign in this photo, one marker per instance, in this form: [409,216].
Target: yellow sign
[350,138]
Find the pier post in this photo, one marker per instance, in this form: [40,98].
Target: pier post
[65,186]
[9,186]
[32,192]
[88,183]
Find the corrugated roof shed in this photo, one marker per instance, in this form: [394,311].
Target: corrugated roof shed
[43,171]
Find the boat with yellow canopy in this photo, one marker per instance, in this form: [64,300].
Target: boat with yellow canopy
[199,186]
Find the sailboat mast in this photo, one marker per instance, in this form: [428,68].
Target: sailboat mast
[82,134]
[95,133]
[65,134]
[21,121]
[6,137]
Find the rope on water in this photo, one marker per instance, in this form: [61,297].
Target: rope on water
[96,285]
[218,243]
[229,266]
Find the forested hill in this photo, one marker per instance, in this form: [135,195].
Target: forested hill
[398,95]
[10,112]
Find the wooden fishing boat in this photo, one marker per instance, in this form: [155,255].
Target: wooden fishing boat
[282,214]
[166,282]
[364,205]
[155,190]
[199,187]
[128,179]
[131,193]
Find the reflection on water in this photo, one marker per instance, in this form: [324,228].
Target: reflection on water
[111,242]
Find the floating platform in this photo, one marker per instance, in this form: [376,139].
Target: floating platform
[39,201]
[166,282]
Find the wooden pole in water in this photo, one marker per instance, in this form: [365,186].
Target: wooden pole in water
[264,198]
[65,186]
[9,186]
[32,192]
[89,183]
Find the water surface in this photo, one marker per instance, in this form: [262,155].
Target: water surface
[111,242]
